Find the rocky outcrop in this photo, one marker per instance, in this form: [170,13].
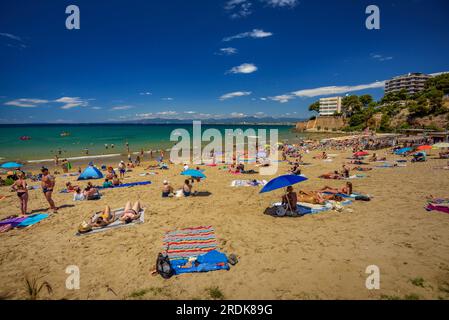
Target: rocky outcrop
[321,124]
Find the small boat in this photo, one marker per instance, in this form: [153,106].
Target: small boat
[25,138]
[65,134]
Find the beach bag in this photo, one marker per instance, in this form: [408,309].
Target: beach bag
[163,266]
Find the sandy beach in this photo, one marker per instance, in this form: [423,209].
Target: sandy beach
[322,256]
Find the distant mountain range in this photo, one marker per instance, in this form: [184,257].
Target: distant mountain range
[243,120]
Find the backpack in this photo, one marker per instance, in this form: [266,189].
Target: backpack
[163,266]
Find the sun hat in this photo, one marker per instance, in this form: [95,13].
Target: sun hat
[165,182]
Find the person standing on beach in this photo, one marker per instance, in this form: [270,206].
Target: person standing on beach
[56,160]
[141,154]
[20,186]
[122,169]
[48,184]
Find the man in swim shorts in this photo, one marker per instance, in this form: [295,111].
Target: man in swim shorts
[48,183]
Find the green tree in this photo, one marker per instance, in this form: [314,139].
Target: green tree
[366,99]
[315,106]
[351,105]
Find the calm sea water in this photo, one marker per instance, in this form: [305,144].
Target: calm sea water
[46,140]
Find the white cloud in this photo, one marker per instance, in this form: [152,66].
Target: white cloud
[11,36]
[244,68]
[190,112]
[71,102]
[380,57]
[120,108]
[145,93]
[238,8]
[168,99]
[281,3]
[228,51]
[237,115]
[167,113]
[234,95]
[284,98]
[97,108]
[255,33]
[26,103]
[263,99]
[324,91]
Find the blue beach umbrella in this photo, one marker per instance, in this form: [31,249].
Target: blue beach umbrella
[11,165]
[193,173]
[282,182]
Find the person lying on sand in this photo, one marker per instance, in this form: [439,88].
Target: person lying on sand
[131,213]
[332,176]
[290,200]
[357,162]
[361,169]
[70,187]
[102,219]
[347,189]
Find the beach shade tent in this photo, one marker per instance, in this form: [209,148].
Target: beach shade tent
[441,145]
[426,147]
[402,151]
[90,173]
[11,165]
[193,173]
[282,182]
[361,154]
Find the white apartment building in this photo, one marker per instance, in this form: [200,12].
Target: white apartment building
[330,106]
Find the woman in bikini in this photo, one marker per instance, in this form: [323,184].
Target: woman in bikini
[102,219]
[20,186]
[344,190]
[131,213]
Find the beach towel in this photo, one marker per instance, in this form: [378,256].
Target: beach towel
[194,250]
[248,183]
[304,208]
[128,185]
[189,242]
[437,207]
[33,219]
[14,222]
[211,261]
[355,196]
[117,223]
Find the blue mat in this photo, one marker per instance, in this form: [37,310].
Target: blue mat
[127,185]
[211,261]
[33,219]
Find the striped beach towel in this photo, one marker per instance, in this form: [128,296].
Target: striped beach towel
[189,242]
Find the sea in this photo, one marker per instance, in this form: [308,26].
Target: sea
[84,141]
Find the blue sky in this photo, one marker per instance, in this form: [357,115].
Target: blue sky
[206,58]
